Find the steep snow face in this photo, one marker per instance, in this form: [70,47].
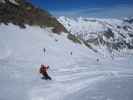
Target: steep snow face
[82,75]
[113,34]
[81,25]
[89,25]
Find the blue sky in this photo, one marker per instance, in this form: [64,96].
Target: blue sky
[88,8]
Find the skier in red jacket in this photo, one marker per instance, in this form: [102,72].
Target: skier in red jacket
[44,72]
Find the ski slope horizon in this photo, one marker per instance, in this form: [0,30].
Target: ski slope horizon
[75,77]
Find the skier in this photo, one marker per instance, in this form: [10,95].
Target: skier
[44,72]
[44,50]
[97,60]
[71,53]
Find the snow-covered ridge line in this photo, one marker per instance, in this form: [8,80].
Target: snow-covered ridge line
[115,34]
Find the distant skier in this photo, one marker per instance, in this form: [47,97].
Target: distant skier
[97,59]
[44,50]
[44,72]
[71,53]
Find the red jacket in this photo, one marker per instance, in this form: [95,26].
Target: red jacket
[44,69]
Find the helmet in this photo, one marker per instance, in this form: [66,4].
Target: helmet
[42,65]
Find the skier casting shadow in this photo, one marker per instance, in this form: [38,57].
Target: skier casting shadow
[44,72]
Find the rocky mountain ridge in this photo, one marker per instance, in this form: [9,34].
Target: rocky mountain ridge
[22,12]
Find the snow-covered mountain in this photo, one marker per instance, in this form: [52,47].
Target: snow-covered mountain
[76,76]
[77,72]
[113,34]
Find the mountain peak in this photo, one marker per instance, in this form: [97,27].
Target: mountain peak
[114,34]
[21,12]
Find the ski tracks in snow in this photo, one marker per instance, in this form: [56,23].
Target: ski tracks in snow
[74,78]
[66,80]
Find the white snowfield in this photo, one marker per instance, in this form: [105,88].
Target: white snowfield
[90,25]
[74,77]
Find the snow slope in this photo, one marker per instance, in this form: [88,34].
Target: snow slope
[75,77]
